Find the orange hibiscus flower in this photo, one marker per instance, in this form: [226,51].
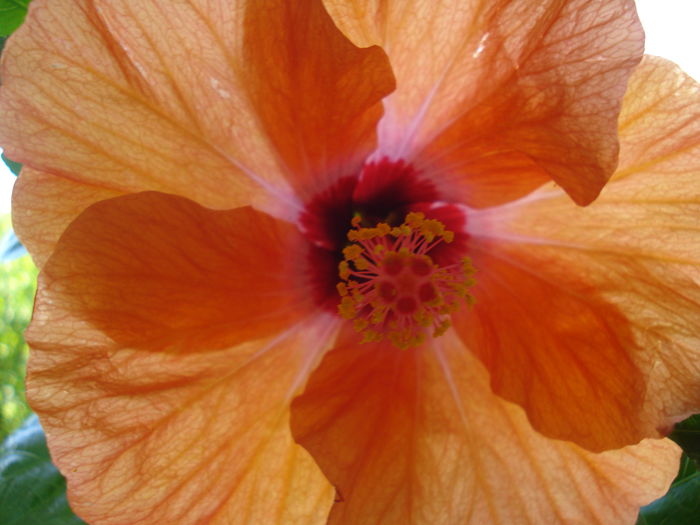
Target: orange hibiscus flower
[226,197]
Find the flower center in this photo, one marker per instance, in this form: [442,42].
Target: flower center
[393,289]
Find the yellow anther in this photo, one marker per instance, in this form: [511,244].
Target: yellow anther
[371,336]
[352,252]
[361,263]
[442,328]
[377,316]
[467,266]
[404,229]
[415,219]
[347,307]
[360,324]
[357,296]
[344,270]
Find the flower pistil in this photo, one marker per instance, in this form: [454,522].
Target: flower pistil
[393,289]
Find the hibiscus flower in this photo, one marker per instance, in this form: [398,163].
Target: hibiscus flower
[365,262]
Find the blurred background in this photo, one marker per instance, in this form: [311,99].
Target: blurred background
[17,284]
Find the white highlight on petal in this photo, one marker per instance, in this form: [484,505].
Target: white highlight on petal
[482,45]
[319,336]
[223,93]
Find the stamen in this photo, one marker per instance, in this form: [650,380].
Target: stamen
[393,289]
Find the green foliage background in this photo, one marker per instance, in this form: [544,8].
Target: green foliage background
[12,13]
[17,287]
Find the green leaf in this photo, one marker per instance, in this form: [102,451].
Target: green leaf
[14,166]
[32,491]
[688,468]
[681,506]
[12,13]
[687,435]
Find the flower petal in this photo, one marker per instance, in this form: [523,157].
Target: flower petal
[179,98]
[417,437]
[554,345]
[595,299]
[162,367]
[73,105]
[159,271]
[146,437]
[488,83]
[44,205]
[318,97]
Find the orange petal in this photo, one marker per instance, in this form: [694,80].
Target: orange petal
[591,301]
[162,367]
[159,271]
[484,83]
[417,437]
[178,97]
[44,205]
[554,345]
[318,97]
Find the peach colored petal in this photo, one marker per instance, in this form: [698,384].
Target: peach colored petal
[73,105]
[417,437]
[177,96]
[483,83]
[162,369]
[631,260]
[43,205]
[152,438]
